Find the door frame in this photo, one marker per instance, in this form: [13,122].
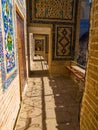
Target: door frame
[17,11]
[47,31]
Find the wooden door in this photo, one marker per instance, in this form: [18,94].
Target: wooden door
[21,51]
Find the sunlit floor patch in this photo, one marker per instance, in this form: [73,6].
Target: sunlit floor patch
[50,103]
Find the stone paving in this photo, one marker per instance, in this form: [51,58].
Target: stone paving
[50,103]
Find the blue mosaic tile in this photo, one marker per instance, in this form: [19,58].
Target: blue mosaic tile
[9,50]
[9,35]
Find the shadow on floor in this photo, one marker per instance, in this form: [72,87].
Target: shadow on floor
[50,103]
[39,73]
[44,127]
[67,100]
[36,60]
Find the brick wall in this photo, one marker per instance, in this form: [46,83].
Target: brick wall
[9,105]
[89,110]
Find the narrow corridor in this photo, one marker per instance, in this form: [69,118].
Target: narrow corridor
[50,103]
[46,45]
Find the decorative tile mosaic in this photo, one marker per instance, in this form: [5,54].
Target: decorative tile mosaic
[7,49]
[64,41]
[57,12]
[53,10]
[1,54]
[8,34]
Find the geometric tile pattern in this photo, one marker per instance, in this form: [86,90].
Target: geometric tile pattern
[53,9]
[7,49]
[64,41]
[57,12]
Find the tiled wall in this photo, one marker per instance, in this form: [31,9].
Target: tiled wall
[8,57]
[61,15]
[9,75]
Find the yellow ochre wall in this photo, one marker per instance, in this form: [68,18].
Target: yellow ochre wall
[89,111]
